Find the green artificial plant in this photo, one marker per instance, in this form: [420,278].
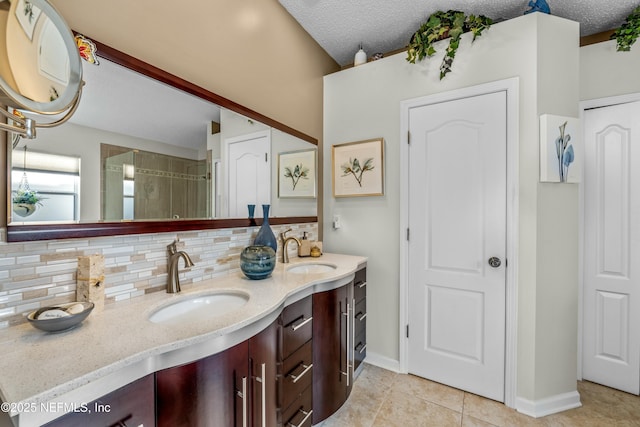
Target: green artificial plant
[441,25]
[628,33]
[27,197]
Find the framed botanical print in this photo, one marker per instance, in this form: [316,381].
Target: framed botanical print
[358,168]
[297,174]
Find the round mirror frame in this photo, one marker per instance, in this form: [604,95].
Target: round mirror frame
[10,97]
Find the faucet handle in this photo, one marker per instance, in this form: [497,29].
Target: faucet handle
[283,235]
[172,248]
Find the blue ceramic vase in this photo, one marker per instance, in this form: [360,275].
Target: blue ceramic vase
[265,236]
[257,262]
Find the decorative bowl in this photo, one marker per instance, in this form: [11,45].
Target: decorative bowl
[59,324]
[257,261]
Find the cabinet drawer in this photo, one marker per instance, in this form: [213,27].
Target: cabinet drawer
[133,405]
[360,317]
[297,326]
[360,285]
[297,373]
[298,414]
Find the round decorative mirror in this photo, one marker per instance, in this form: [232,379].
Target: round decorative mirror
[40,69]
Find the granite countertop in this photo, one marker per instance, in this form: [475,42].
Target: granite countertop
[115,347]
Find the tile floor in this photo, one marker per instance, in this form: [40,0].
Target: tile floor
[382,398]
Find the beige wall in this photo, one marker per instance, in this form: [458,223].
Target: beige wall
[250,51]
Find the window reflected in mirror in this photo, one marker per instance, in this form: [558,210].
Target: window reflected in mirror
[44,187]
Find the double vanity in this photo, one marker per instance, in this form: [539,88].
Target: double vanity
[227,351]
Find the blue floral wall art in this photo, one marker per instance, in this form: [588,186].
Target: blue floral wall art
[560,149]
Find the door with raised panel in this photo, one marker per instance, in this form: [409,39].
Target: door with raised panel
[611,324]
[457,245]
[249,172]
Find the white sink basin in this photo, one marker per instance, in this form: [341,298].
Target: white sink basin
[311,268]
[200,307]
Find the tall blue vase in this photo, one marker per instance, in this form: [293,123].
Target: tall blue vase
[265,236]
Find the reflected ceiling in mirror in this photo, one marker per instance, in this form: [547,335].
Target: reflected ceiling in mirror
[154,112]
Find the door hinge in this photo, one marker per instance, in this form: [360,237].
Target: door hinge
[407,331]
[265,157]
[408,137]
[407,234]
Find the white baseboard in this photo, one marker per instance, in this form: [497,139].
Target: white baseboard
[548,405]
[383,362]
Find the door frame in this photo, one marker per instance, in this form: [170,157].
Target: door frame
[511,87]
[587,105]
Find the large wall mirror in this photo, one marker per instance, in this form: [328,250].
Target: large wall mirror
[147,151]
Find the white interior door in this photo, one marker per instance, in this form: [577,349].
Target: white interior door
[457,222]
[249,172]
[611,325]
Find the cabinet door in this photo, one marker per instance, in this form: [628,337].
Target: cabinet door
[332,364]
[131,405]
[262,356]
[210,392]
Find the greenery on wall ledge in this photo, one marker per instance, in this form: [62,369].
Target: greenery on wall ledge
[628,33]
[439,26]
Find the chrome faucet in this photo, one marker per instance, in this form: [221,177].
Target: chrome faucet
[173,280]
[285,243]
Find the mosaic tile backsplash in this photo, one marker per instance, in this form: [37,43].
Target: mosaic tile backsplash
[38,274]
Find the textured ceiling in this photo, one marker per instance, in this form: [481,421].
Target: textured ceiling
[339,26]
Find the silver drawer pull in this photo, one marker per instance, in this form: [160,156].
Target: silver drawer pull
[362,285]
[243,395]
[304,420]
[307,368]
[300,324]
[362,348]
[361,316]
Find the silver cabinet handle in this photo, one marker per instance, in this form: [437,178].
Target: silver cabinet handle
[300,324]
[262,379]
[361,316]
[307,368]
[347,315]
[304,420]
[243,395]
[362,348]
[362,284]
[353,339]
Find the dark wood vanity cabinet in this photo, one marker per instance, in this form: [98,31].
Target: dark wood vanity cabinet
[210,391]
[297,371]
[131,405]
[332,337]
[295,364]
[339,336]
[263,371]
[234,388]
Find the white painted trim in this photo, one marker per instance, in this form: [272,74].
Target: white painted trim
[511,86]
[383,362]
[587,105]
[548,405]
